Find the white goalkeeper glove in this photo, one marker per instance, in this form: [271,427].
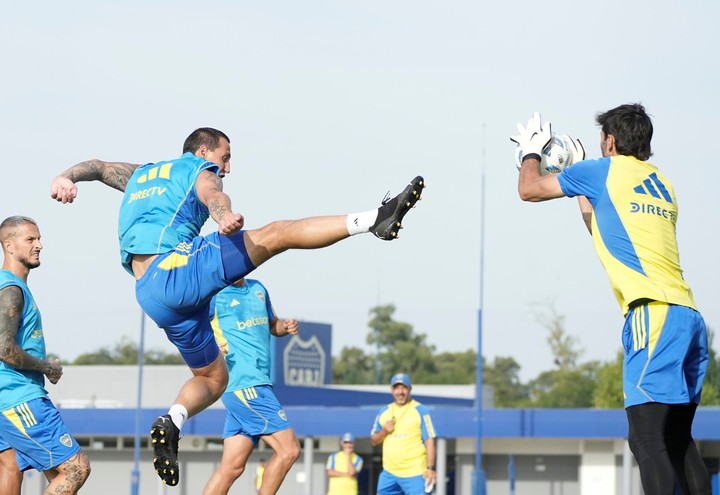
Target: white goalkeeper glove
[577,151]
[533,139]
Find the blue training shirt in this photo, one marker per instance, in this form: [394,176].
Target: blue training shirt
[16,385]
[241,319]
[160,209]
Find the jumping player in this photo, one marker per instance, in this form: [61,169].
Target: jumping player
[177,271]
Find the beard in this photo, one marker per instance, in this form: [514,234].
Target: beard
[30,264]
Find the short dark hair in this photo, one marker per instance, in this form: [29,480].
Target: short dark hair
[7,227]
[631,127]
[205,135]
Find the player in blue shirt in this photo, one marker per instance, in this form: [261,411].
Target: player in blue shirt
[30,424]
[243,319]
[177,271]
[629,206]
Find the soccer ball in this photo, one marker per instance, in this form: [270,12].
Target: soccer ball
[555,157]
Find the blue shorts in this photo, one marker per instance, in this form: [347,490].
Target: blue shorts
[253,412]
[666,354]
[177,288]
[37,433]
[389,484]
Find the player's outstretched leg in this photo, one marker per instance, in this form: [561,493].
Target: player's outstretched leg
[165,436]
[390,214]
[259,245]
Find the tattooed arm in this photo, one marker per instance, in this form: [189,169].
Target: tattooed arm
[11,307]
[113,174]
[209,189]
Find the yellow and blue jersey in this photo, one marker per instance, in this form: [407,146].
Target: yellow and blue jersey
[158,214]
[16,385]
[241,319]
[343,485]
[403,450]
[633,227]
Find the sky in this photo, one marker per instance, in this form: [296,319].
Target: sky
[329,105]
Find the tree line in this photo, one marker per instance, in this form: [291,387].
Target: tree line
[571,383]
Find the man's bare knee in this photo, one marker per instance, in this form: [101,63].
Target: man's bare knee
[268,241]
[220,373]
[213,377]
[233,472]
[289,453]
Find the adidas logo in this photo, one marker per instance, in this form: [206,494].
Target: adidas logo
[234,303]
[162,171]
[654,187]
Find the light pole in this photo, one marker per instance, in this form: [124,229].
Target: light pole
[478,473]
[135,484]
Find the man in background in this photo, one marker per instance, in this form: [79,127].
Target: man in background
[405,430]
[343,468]
[259,470]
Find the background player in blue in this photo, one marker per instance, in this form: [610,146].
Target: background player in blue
[177,271]
[631,211]
[29,422]
[243,319]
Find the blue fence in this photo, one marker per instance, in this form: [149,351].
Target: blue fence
[450,422]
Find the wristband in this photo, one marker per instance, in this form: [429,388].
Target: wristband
[431,468]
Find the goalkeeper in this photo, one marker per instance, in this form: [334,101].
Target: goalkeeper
[630,209]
